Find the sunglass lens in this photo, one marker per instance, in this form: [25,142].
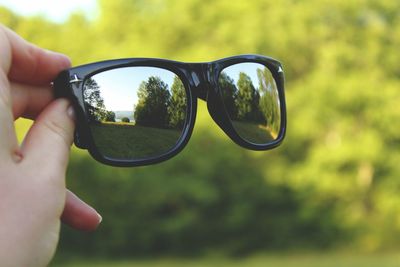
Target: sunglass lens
[135,113]
[251,99]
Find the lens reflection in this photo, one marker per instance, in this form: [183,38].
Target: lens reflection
[135,112]
[251,99]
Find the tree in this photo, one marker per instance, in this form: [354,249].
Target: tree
[94,102]
[247,99]
[110,116]
[152,107]
[269,99]
[125,119]
[229,94]
[177,104]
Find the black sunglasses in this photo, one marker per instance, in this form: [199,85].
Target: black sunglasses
[140,111]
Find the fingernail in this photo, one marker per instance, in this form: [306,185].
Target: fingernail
[17,156]
[64,60]
[71,112]
[100,218]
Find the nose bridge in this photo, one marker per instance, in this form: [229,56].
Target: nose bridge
[206,89]
[201,76]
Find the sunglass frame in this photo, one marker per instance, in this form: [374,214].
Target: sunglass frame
[200,81]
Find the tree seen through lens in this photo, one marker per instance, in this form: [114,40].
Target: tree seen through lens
[152,127]
[152,107]
[254,111]
[157,107]
[94,103]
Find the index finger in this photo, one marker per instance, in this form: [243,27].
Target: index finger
[25,63]
[29,64]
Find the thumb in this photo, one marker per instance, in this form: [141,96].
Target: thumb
[49,140]
[79,215]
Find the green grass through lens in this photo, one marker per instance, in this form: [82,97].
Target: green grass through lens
[253,132]
[125,141]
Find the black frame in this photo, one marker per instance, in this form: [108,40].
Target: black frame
[200,81]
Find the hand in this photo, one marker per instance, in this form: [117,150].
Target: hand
[33,196]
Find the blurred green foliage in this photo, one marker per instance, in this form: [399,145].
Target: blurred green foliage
[334,181]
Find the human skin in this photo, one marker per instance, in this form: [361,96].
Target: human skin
[33,195]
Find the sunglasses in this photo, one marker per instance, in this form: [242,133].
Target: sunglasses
[140,111]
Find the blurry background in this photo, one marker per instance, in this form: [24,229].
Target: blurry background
[329,196]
